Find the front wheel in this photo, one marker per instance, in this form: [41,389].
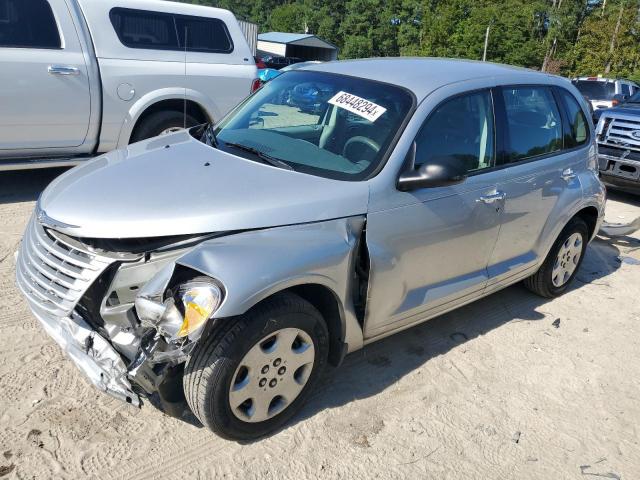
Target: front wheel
[562,262]
[250,377]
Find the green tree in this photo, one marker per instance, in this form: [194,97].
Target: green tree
[559,36]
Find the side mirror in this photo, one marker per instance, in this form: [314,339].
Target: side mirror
[437,172]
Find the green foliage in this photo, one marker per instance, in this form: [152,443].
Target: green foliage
[562,36]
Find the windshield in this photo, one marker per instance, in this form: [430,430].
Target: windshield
[595,90]
[324,124]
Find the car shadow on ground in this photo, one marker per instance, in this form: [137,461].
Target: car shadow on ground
[624,197]
[377,366]
[26,185]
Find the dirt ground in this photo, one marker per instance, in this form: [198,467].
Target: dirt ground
[510,387]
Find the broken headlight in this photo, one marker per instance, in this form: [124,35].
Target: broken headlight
[184,315]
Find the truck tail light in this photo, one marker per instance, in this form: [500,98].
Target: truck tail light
[255,85]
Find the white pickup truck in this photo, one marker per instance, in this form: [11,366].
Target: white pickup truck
[82,77]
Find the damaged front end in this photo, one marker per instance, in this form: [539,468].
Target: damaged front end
[123,331]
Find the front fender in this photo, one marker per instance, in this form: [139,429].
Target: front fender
[254,265]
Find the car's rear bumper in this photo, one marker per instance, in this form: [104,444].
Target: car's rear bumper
[92,354]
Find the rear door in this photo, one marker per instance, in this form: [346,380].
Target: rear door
[44,98]
[540,183]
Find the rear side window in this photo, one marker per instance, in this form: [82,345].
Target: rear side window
[462,128]
[141,29]
[165,31]
[204,34]
[625,89]
[533,122]
[579,131]
[28,24]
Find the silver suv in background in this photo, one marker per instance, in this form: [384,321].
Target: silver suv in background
[605,92]
[82,77]
[279,240]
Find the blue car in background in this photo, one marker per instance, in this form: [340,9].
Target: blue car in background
[308,98]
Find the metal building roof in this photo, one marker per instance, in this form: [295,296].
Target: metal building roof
[305,39]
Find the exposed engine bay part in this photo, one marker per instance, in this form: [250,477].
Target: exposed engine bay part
[619,229]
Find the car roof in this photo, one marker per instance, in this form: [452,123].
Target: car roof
[424,75]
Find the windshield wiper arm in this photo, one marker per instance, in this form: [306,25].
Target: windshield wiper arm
[210,136]
[265,157]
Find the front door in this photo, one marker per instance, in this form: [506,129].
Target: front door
[432,253]
[45,99]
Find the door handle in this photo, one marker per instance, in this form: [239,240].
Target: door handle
[568,174]
[492,197]
[63,70]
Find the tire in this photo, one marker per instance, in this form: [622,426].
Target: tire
[545,282]
[158,122]
[216,366]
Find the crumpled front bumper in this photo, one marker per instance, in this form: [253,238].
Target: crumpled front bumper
[91,353]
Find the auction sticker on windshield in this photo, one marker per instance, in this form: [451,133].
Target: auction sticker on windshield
[357,105]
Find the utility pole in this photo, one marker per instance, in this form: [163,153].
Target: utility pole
[486,43]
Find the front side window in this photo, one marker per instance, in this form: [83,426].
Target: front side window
[329,125]
[579,131]
[625,89]
[165,31]
[462,128]
[28,24]
[533,122]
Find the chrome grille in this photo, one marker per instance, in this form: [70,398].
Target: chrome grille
[619,132]
[54,274]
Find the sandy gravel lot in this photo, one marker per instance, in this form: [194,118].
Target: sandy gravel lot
[491,391]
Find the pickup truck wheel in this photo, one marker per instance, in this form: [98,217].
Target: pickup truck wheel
[249,378]
[160,123]
[562,262]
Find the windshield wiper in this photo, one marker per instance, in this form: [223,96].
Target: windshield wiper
[210,136]
[276,162]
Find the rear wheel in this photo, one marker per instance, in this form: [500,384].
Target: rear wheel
[162,123]
[248,379]
[562,262]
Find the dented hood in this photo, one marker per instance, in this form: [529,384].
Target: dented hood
[176,185]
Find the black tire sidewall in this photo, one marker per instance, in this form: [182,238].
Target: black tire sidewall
[157,122]
[217,407]
[575,226]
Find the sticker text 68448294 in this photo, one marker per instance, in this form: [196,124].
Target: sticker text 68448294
[357,105]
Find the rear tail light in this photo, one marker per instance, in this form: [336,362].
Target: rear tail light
[255,85]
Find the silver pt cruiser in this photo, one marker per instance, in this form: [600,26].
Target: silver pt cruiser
[339,204]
